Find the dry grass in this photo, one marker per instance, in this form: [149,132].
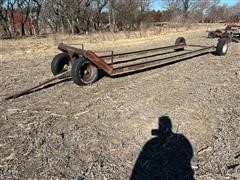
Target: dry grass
[32,46]
[96,132]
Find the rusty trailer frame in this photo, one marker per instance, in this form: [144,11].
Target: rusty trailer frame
[100,62]
[86,63]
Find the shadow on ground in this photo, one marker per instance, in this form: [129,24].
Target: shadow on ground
[164,157]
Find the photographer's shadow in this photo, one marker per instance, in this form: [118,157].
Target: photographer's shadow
[165,157]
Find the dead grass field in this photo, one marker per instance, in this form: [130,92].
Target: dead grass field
[97,132]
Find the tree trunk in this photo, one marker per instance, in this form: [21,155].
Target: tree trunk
[6,28]
[5,21]
[39,7]
[112,20]
[22,29]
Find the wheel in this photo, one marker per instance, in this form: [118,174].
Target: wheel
[227,36]
[211,35]
[84,72]
[58,63]
[222,47]
[180,40]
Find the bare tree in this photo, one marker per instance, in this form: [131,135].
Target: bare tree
[213,12]
[186,6]
[24,7]
[36,10]
[6,16]
[112,15]
[81,16]
[199,8]
[4,20]
[100,5]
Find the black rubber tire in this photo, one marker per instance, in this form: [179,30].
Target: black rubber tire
[180,40]
[222,47]
[58,63]
[227,36]
[79,70]
[211,35]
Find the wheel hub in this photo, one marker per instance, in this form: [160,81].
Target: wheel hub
[225,48]
[87,72]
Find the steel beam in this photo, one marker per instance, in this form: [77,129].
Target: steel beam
[157,62]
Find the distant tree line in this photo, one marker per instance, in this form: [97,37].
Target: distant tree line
[201,11]
[21,17]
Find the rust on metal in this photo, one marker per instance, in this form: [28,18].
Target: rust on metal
[147,50]
[112,58]
[98,62]
[133,64]
[161,61]
[141,57]
[71,50]
[153,59]
[91,56]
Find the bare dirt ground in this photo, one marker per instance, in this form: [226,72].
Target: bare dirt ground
[97,132]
